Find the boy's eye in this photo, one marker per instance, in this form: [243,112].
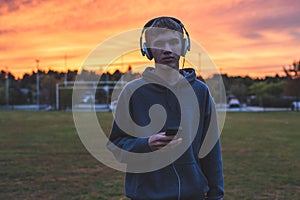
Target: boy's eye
[159,44]
[173,41]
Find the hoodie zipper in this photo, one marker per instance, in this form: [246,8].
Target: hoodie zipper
[178,179]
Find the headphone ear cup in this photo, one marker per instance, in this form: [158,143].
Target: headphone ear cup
[147,52]
[185,47]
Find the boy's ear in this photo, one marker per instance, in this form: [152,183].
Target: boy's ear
[147,51]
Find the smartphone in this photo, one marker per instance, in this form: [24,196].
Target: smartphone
[171,131]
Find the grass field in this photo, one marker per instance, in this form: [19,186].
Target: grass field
[42,157]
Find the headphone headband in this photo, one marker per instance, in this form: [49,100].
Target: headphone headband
[143,47]
[150,22]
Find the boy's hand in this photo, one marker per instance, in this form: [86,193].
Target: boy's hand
[160,140]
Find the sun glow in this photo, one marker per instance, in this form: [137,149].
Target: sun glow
[242,38]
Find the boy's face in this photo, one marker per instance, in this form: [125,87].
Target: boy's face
[166,49]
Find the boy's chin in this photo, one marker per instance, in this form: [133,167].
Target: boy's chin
[168,66]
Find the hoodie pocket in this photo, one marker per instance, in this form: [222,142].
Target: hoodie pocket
[194,184]
[161,184]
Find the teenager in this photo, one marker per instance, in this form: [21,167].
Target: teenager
[188,176]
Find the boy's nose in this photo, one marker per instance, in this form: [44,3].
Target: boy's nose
[167,47]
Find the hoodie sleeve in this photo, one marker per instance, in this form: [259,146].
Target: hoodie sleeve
[120,140]
[212,162]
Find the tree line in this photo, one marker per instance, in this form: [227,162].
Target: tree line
[277,91]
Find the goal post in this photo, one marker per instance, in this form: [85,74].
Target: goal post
[91,93]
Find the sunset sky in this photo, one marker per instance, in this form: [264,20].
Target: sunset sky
[254,37]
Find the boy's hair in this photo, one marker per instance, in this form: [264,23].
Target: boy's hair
[162,25]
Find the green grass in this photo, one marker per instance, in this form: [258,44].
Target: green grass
[42,157]
[261,155]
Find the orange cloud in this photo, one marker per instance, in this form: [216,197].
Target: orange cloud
[242,37]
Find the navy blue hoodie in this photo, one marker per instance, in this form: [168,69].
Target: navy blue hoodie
[188,177]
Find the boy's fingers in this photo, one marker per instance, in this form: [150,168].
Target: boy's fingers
[176,142]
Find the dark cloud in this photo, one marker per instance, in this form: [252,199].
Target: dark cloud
[6,31]
[253,35]
[249,18]
[287,20]
[295,34]
[8,6]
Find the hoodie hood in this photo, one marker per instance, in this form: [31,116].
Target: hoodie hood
[188,73]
